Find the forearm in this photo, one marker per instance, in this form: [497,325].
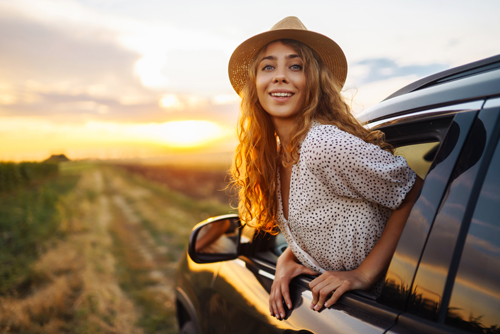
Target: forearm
[287,255]
[376,263]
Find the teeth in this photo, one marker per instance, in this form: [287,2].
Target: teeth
[281,94]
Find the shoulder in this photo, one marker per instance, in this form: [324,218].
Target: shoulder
[326,140]
[327,145]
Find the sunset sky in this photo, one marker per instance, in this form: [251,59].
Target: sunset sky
[123,79]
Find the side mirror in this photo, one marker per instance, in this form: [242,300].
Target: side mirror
[215,239]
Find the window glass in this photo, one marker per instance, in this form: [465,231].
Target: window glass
[475,300]
[398,281]
[419,156]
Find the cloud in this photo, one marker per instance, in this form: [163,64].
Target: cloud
[72,75]
[34,51]
[202,71]
[84,72]
[378,69]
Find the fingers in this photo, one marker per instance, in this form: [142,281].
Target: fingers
[321,291]
[272,304]
[330,286]
[308,271]
[285,291]
[343,288]
[278,292]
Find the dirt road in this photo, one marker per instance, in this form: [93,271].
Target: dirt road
[114,271]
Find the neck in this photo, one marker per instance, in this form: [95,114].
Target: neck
[284,128]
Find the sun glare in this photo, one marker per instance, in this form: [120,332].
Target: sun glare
[185,134]
[149,70]
[107,139]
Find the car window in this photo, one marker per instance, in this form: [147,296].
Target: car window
[475,300]
[270,247]
[419,156]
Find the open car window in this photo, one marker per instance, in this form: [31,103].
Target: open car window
[419,156]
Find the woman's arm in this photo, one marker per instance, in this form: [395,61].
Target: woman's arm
[287,268]
[375,264]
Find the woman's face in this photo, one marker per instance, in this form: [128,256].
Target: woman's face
[281,82]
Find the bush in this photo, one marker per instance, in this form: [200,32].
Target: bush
[14,175]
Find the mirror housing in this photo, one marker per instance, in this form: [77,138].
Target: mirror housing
[215,239]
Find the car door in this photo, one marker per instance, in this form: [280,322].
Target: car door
[431,141]
[456,286]
[240,303]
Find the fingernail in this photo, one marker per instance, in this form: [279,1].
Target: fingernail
[326,304]
[312,306]
[282,315]
[316,307]
[289,305]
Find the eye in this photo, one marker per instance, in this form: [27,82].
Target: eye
[296,67]
[267,68]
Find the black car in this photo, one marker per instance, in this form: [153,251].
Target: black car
[445,274]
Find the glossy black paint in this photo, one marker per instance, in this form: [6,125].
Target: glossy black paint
[475,289]
[471,88]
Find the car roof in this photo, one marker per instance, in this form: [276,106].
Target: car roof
[470,82]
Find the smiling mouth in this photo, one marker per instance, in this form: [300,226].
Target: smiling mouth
[281,94]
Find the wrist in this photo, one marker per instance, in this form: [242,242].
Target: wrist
[369,277]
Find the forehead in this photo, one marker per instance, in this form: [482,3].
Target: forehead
[277,48]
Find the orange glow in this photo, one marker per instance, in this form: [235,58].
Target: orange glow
[185,134]
[36,139]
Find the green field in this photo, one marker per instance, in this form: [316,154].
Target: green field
[93,248]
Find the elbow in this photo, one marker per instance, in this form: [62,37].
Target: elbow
[412,195]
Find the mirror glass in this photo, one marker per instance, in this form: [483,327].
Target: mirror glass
[218,237]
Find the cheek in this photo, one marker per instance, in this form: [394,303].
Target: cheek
[259,83]
[260,86]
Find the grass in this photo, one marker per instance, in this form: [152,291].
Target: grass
[94,250]
[166,218]
[29,222]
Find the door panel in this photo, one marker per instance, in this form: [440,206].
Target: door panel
[403,266]
[436,272]
[432,275]
[242,295]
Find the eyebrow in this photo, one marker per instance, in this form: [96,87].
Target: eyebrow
[290,56]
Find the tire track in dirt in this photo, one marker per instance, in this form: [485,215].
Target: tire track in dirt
[114,269]
[73,285]
[147,260]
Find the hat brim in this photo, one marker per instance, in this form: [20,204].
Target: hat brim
[331,54]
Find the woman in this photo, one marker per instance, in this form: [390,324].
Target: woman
[305,165]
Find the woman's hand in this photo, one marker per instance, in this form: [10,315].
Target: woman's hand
[337,282]
[286,269]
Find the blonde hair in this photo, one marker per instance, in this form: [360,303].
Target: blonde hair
[258,153]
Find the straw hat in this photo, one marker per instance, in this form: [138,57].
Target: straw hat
[289,28]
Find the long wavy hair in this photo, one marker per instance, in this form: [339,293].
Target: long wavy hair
[259,153]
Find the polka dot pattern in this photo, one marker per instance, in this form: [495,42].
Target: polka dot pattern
[342,191]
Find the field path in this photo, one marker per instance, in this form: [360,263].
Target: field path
[114,271]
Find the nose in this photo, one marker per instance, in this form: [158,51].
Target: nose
[280,78]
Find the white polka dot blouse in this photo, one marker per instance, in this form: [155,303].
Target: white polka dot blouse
[342,191]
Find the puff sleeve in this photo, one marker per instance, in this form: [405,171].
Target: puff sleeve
[350,167]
